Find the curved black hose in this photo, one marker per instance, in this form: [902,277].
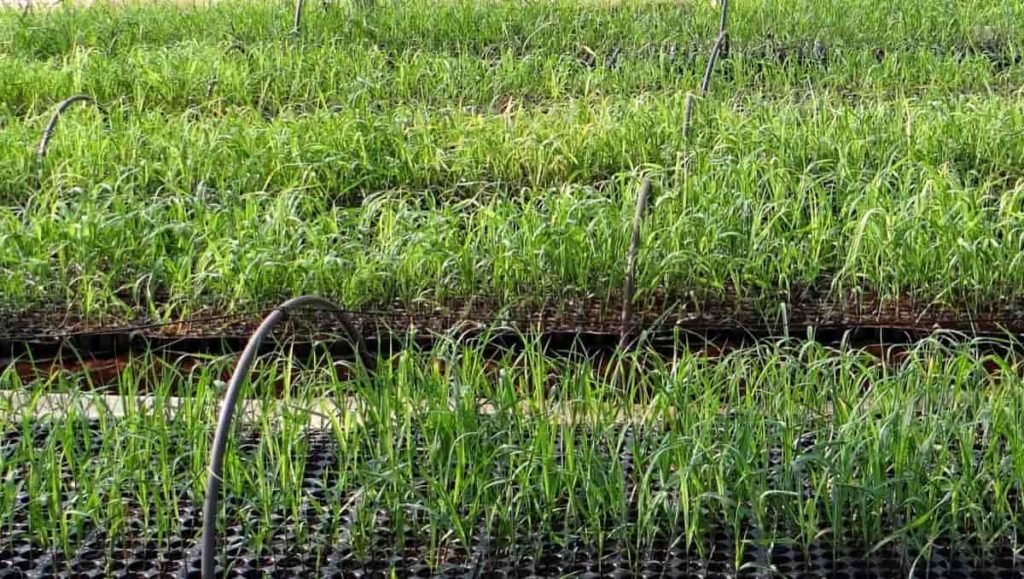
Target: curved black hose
[220,438]
[297,18]
[237,46]
[51,126]
[705,85]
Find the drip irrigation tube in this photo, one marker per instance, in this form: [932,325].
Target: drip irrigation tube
[297,18]
[634,248]
[209,539]
[51,126]
[705,84]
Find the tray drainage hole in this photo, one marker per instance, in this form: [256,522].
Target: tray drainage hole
[289,562]
[654,566]
[34,553]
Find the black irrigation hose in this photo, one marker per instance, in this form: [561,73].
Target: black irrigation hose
[724,19]
[297,20]
[51,126]
[705,84]
[237,46]
[634,247]
[209,540]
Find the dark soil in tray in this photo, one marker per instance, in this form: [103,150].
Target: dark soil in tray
[88,364]
[659,314]
[41,344]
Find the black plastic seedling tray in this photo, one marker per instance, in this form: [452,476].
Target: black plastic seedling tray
[135,553]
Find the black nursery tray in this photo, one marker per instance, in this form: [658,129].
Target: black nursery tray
[316,544]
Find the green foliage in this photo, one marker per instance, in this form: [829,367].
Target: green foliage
[798,441]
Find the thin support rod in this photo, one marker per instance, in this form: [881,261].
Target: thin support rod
[51,126]
[634,248]
[227,412]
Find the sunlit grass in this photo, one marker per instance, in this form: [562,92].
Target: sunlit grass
[893,197]
[215,78]
[419,153]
